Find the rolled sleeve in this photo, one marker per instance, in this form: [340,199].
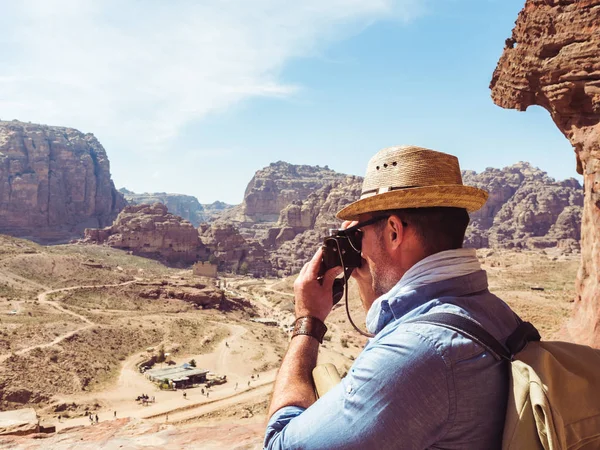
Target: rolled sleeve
[396,395]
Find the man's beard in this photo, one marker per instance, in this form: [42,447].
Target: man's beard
[382,276]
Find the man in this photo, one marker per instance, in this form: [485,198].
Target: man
[415,385]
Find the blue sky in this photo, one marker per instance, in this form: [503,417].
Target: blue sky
[194,97]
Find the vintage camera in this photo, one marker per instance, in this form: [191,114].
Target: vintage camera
[341,248]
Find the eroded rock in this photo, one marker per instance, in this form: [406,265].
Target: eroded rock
[54,182]
[552,60]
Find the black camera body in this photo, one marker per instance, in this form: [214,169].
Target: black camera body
[339,251]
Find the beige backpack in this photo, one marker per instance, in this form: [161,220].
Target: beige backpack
[554,395]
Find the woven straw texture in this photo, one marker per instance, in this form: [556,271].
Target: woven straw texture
[413,177]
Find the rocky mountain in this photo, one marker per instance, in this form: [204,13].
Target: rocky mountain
[276,186]
[185,206]
[150,230]
[526,209]
[54,182]
[552,60]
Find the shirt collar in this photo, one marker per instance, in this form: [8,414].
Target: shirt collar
[395,305]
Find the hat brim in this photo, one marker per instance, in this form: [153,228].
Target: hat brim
[456,196]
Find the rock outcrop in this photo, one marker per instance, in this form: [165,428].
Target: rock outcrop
[552,60]
[54,182]
[150,230]
[279,184]
[526,209]
[232,252]
[186,206]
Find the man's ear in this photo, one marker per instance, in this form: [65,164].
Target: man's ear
[395,231]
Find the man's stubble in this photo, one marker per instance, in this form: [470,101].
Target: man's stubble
[382,274]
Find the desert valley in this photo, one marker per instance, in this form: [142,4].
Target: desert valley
[150,320]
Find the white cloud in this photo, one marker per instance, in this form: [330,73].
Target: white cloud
[135,72]
[146,68]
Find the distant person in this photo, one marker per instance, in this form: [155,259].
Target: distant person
[59,417]
[184,395]
[236,386]
[96,418]
[202,390]
[415,385]
[91,419]
[115,414]
[226,344]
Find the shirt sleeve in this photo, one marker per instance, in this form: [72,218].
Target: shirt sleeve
[398,394]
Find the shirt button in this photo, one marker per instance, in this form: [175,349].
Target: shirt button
[349,389]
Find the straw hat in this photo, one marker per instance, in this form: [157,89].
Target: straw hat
[413,177]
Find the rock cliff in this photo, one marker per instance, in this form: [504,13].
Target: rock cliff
[526,209]
[279,184]
[552,60]
[150,230]
[184,206]
[54,182]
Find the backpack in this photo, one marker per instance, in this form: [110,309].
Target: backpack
[554,391]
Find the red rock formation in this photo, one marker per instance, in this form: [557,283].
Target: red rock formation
[54,182]
[553,60]
[149,230]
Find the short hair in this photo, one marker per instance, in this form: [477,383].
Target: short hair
[437,228]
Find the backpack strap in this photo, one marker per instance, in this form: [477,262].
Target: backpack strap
[525,332]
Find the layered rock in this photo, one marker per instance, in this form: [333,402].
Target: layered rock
[184,206]
[526,209]
[552,60]
[276,186]
[303,224]
[54,182]
[150,230]
[232,252]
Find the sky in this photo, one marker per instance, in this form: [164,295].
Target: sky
[193,97]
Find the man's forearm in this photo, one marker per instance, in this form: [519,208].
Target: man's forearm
[294,384]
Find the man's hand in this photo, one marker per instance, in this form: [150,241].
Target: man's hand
[312,298]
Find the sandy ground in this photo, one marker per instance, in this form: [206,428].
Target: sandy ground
[244,385]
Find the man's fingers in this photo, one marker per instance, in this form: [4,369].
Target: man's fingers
[348,224]
[331,274]
[312,267]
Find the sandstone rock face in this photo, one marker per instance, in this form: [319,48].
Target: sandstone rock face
[186,206]
[139,434]
[232,252]
[54,182]
[526,209]
[552,60]
[274,187]
[303,225]
[150,230]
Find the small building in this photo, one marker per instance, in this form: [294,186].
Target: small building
[179,376]
[205,269]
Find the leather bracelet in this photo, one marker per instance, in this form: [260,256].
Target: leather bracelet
[309,326]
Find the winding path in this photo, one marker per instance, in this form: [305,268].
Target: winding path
[42,299]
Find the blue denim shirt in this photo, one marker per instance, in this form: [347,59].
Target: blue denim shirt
[414,386]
